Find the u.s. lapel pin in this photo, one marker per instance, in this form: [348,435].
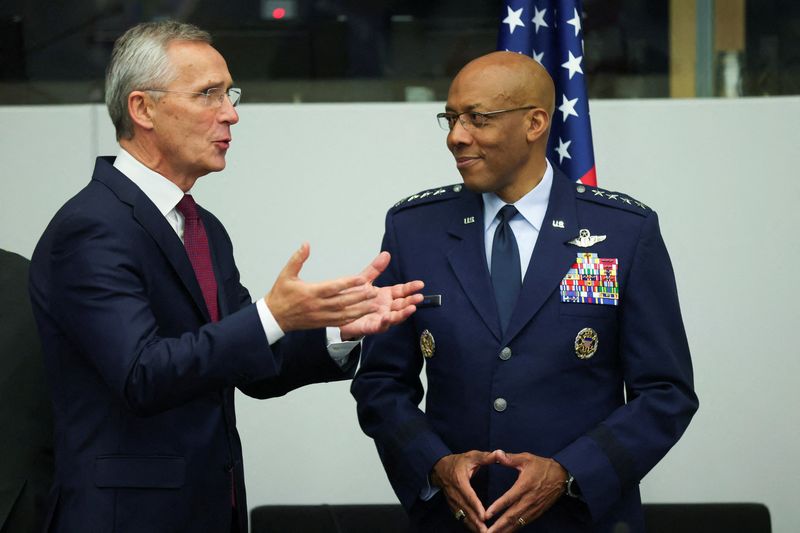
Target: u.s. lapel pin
[427,344]
[585,239]
[469,220]
[558,224]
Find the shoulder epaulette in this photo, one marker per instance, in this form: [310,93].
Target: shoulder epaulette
[611,199]
[430,195]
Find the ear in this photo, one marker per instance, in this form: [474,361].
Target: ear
[539,124]
[141,108]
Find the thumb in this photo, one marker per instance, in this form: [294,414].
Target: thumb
[296,261]
[376,267]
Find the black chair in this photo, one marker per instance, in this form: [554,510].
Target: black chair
[388,518]
[391,518]
[707,518]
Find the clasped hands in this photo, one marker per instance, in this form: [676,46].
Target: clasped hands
[350,303]
[540,483]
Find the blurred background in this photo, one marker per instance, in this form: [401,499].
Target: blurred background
[53,51]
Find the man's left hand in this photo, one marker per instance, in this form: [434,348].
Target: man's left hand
[395,303]
[540,483]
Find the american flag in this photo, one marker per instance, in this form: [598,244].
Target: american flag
[550,32]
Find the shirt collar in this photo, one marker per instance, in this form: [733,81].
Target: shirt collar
[161,191]
[532,206]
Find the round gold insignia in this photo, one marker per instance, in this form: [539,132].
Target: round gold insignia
[427,344]
[586,343]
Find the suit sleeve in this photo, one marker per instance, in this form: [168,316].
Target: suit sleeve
[306,361]
[615,455]
[388,390]
[303,354]
[100,301]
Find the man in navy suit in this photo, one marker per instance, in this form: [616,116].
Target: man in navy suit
[558,370]
[146,329]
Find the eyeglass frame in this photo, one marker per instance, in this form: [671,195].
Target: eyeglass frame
[483,114]
[210,92]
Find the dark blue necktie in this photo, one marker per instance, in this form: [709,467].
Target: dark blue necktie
[506,274]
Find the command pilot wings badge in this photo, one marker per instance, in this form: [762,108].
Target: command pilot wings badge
[586,239]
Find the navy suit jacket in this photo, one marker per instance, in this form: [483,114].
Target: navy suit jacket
[142,384]
[607,419]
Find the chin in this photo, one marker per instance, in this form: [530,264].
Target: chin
[476,184]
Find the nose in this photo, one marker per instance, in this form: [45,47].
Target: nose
[458,136]
[228,113]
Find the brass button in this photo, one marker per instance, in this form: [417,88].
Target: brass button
[505,353]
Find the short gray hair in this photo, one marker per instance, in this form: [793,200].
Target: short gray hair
[139,61]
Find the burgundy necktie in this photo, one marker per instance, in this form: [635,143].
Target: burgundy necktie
[196,242]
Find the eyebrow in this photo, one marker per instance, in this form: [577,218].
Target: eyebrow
[214,83]
[471,107]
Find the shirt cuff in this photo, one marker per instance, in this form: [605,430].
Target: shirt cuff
[428,492]
[338,349]
[272,330]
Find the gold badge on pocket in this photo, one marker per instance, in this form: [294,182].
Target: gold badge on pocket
[586,343]
[427,344]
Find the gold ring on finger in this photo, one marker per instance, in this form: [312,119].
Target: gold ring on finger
[460,515]
[521,521]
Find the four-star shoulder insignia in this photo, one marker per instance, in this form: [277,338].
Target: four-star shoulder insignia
[439,193]
[611,198]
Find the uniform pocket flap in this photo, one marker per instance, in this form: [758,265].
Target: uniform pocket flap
[137,471]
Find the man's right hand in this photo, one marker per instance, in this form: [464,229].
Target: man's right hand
[452,474]
[297,304]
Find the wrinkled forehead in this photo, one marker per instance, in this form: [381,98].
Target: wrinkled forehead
[484,88]
[198,63]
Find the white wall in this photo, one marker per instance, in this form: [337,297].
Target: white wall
[721,174]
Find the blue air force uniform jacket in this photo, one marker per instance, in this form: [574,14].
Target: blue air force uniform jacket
[600,380]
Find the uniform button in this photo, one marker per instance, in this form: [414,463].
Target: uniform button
[500,405]
[581,188]
[505,353]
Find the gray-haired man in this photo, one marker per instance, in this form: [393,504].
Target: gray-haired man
[145,326]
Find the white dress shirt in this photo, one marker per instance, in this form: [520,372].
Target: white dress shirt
[166,195]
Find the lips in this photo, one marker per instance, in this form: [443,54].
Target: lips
[466,161]
[223,143]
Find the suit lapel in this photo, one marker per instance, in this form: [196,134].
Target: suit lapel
[154,223]
[467,258]
[551,257]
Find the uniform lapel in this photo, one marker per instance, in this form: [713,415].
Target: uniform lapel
[467,258]
[551,257]
[154,223]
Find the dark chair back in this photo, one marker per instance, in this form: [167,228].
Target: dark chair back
[388,518]
[707,518]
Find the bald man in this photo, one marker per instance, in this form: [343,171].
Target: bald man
[557,364]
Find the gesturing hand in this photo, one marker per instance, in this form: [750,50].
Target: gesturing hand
[452,474]
[393,304]
[540,483]
[297,304]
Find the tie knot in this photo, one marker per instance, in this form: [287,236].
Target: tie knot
[187,207]
[506,213]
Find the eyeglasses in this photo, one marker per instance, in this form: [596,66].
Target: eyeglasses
[213,96]
[472,120]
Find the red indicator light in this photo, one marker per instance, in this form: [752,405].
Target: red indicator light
[278,13]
